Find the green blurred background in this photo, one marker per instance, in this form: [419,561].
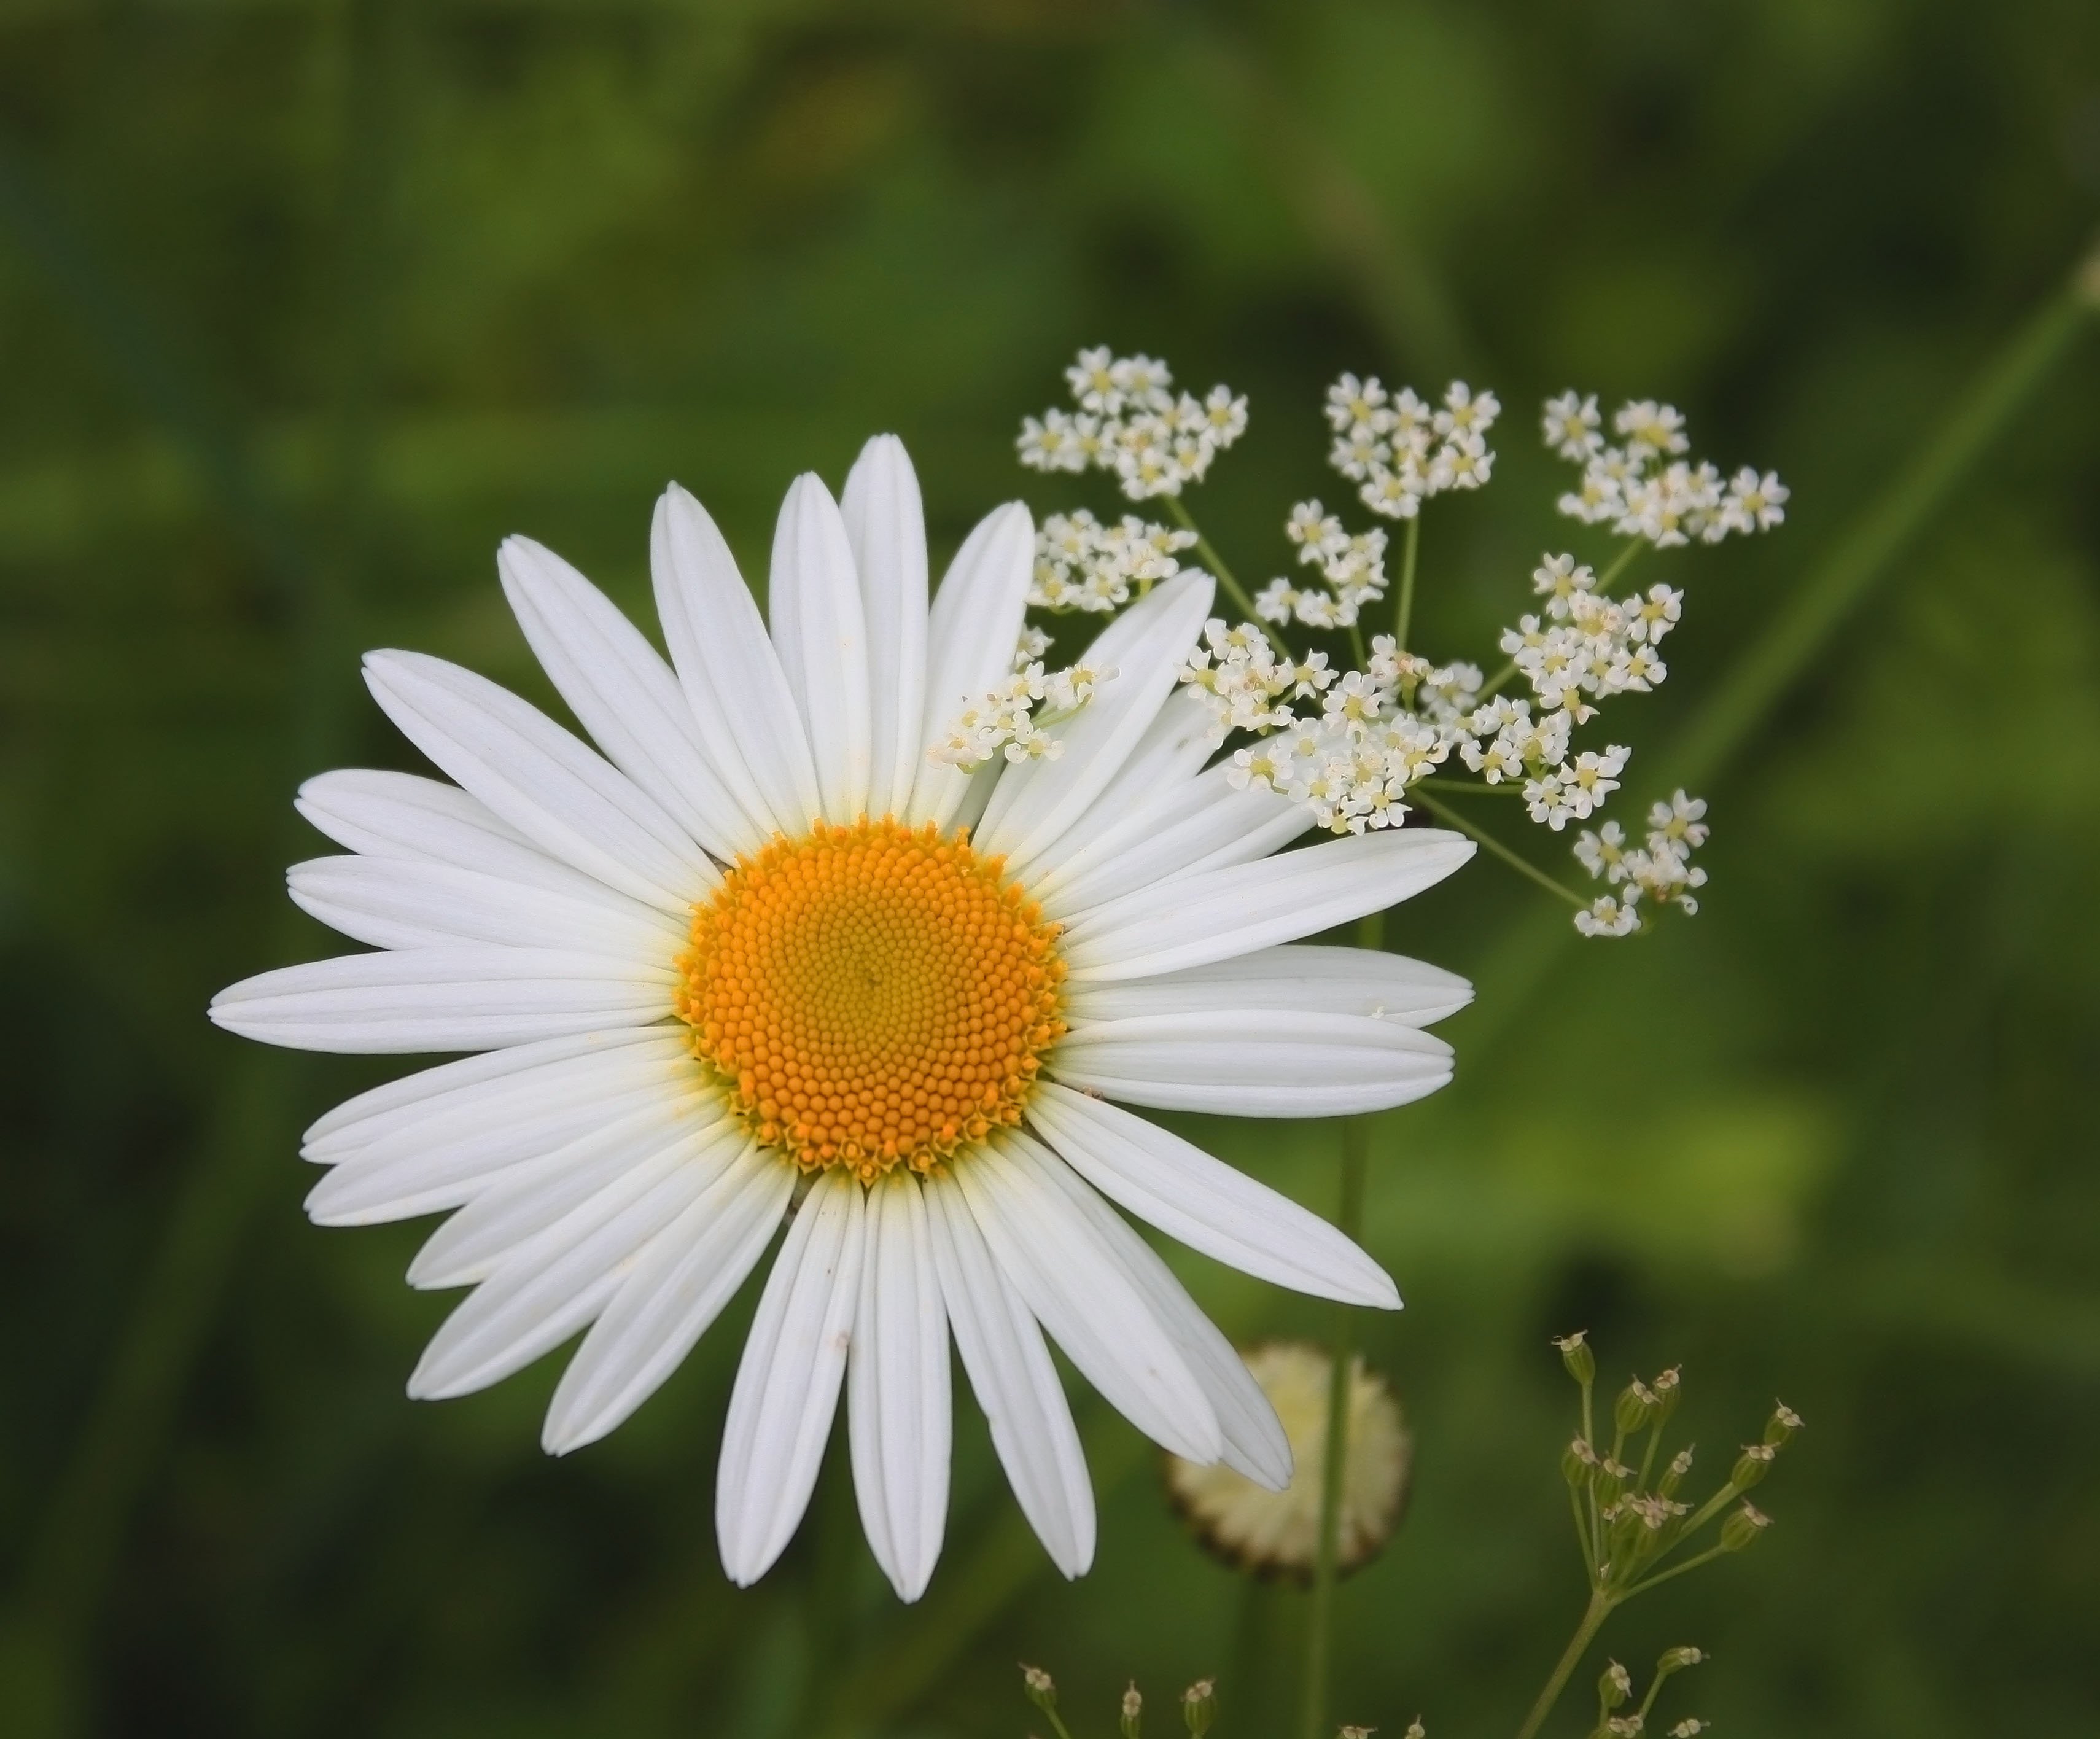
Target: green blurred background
[304,306]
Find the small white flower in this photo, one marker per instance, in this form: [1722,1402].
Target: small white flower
[1609,915]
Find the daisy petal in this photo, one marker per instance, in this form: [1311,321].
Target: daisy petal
[1015,1382]
[1182,737]
[1223,913]
[728,669]
[678,1286]
[396,902]
[1146,647]
[1255,1443]
[1305,978]
[524,1202]
[625,695]
[466,998]
[1203,1203]
[1204,825]
[788,1385]
[565,799]
[552,1285]
[1077,1289]
[897,1409]
[971,637]
[1255,1063]
[404,815]
[886,526]
[822,637]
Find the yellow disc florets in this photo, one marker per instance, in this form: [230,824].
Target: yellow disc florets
[872,996]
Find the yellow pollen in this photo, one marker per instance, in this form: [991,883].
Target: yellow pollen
[872,996]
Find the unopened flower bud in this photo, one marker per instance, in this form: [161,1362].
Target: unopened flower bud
[1635,1406]
[1608,1479]
[1576,1462]
[1576,1355]
[1688,1729]
[1041,1689]
[1615,1686]
[1669,1386]
[1751,1465]
[1625,1726]
[1745,1526]
[1415,1730]
[1673,1475]
[1356,1732]
[1783,1424]
[1133,1711]
[1676,1660]
[1199,1706]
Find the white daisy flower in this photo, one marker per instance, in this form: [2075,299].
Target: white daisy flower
[764,956]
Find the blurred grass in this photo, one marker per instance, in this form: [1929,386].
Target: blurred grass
[303,306]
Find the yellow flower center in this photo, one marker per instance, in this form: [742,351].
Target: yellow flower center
[872,996]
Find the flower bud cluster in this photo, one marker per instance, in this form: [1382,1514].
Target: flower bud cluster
[1015,719]
[1643,488]
[1085,565]
[1399,451]
[1131,422]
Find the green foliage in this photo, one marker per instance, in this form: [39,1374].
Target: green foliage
[304,307]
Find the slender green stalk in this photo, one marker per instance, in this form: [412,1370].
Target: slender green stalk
[1593,1616]
[1707,1557]
[1216,564]
[1404,617]
[1621,562]
[1319,1627]
[1524,867]
[1495,683]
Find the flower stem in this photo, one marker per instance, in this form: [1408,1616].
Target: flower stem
[1621,562]
[1406,615]
[1523,865]
[1599,1610]
[1349,1218]
[1216,564]
[1493,684]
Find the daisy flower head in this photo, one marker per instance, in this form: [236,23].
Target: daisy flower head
[766,956]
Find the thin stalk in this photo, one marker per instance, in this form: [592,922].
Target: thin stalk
[1216,564]
[1319,1628]
[1593,1616]
[1707,1557]
[1494,683]
[1621,562]
[1404,617]
[1524,867]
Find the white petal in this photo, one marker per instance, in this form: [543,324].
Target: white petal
[818,629]
[788,1385]
[1205,1203]
[1221,914]
[398,903]
[625,695]
[1255,1443]
[972,635]
[1057,1263]
[1202,825]
[1163,766]
[468,997]
[517,1207]
[678,1286]
[1015,1383]
[524,1082]
[728,669]
[1255,1063]
[568,801]
[1305,978]
[1145,645]
[886,526]
[897,1407]
[404,815]
[552,1286]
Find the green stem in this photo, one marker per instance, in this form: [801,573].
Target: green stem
[1707,1557]
[1530,870]
[1405,617]
[1494,683]
[1319,1628]
[1224,574]
[1621,562]
[1593,1616]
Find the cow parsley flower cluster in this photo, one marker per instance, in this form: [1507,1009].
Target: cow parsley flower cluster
[1643,488]
[1082,564]
[1016,719]
[1131,421]
[1353,744]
